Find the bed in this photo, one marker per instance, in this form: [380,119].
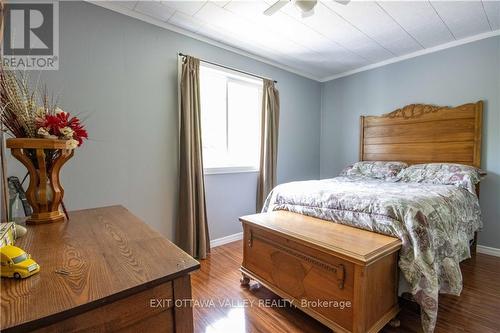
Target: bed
[436,223]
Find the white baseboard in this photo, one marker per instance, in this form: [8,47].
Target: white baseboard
[225,240]
[492,251]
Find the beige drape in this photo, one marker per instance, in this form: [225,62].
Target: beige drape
[269,142]
[192,228]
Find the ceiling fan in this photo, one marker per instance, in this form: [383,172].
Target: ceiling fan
[306,6]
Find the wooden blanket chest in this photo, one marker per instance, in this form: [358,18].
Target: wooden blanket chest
[344,277]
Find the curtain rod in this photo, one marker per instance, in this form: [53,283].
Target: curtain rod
[230,68]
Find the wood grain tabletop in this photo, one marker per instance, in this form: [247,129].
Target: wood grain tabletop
[108,254]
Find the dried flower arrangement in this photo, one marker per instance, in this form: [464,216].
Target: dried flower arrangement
[24,117]
[44,139]
[25,112]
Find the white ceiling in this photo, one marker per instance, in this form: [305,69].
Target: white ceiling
[337,39]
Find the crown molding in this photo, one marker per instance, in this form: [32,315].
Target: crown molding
[415,54]
[125,11]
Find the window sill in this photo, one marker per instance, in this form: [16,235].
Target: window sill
[220,171]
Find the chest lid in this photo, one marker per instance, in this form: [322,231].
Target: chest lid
[352,244]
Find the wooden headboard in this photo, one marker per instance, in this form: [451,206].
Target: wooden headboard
[420,133]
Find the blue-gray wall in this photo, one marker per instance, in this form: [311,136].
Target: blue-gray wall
[121,73]
[454,76]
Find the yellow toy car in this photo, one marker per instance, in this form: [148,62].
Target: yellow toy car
[16,263]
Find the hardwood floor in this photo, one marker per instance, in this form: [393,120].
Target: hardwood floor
[221,305]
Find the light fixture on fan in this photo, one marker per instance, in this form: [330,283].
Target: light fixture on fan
[306,6]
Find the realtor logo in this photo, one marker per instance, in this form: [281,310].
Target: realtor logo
[31,36]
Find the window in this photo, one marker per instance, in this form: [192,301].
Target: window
[20,258]
[230,120]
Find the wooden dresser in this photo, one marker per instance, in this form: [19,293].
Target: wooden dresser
[344,277]
[115,274]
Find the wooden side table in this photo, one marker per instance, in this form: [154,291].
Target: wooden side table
[104,270]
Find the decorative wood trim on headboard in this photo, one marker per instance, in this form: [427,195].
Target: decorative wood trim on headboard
[361,140]
[421,133]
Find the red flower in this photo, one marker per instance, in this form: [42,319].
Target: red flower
[79,133]
[53,123]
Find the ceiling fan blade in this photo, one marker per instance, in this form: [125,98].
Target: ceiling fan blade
[343,2]
[275,7]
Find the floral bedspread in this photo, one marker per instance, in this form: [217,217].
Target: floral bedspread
[434,223]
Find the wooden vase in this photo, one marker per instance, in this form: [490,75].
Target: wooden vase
[44,192]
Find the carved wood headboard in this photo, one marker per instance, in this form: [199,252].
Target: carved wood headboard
[420,133]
